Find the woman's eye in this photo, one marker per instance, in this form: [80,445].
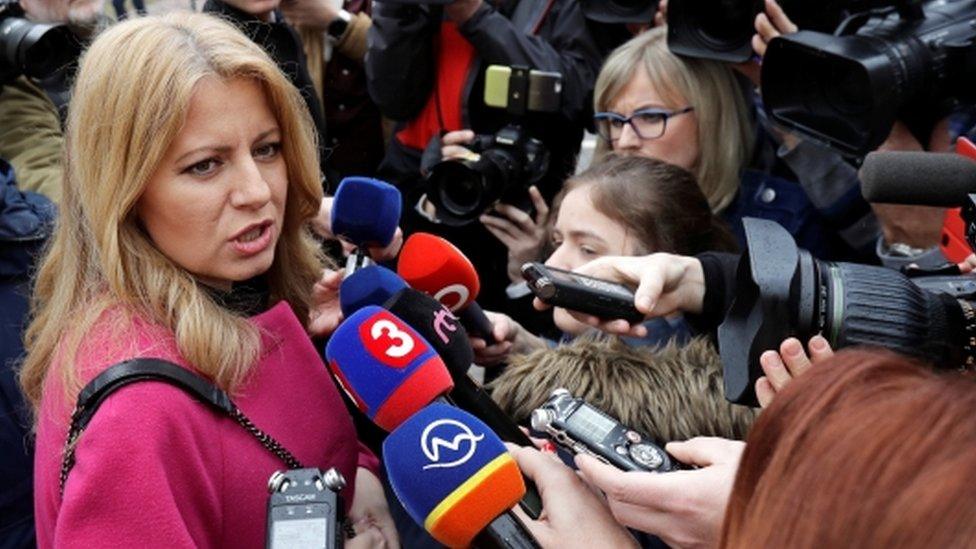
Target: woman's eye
[555,242]
[268,151]
[203,168]
[589,251]
[616,122]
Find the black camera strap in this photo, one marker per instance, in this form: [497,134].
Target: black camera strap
[154,369]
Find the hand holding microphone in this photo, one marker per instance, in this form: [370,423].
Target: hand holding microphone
[364,214]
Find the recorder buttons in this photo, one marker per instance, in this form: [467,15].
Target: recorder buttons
[646,456]
[633,436]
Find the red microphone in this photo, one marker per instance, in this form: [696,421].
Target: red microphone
[436,267]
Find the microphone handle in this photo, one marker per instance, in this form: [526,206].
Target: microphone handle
[471,398]
[476,322]
[505,532]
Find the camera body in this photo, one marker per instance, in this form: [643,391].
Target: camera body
[305,509]
[501,166]
[583,429]
[34,49]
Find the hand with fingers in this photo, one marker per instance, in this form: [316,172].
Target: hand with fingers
[322,225]
[791,361]
[523,235]
[683,508]
[325,314]
[572,515]
[666,284]
[661,16]
[370,514]
[510,337]
[771,23]
[453,145]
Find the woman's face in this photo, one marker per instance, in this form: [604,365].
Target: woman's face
[678,145]
[215,205]
[580,235]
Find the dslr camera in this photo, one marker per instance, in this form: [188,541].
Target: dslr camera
[782,291]
[503,165]
[32,49]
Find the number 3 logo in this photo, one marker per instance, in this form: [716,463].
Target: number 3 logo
[384,329]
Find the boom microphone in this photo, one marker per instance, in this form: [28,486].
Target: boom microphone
[456,479]
[435,323]
[366,211]
[436,267]
[918,178]
[385,367]
[370,285]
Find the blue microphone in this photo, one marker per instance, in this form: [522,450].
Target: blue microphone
[371,285]
[365,212]
[455,478]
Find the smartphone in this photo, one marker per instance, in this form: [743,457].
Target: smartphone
[543,89]
[602,298]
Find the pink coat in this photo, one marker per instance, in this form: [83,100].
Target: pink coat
[157,468]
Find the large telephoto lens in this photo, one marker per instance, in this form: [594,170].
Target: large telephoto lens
[847,91]
[782,291]
[34,49]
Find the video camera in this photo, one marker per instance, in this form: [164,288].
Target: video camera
[504,164]
[30,48]
[907,61]
[782,291]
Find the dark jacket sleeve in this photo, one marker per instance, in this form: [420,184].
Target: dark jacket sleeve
[719,270]
[563,45]
[400,57]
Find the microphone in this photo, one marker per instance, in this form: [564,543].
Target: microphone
[454,477]
[370,285]
[365,212]
[436,267]
[435,323]
[918,178]
[388,370]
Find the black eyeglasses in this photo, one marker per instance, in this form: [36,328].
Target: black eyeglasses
[646,123]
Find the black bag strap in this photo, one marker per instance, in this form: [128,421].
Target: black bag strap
[145,369]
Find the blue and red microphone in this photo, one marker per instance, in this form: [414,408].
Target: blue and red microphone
[454,477]
[385,366]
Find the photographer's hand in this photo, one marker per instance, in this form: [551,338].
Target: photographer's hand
[683,508]
[770,24]
[523,235]
[572,515]
[666,284]
[789,362]
[452,145]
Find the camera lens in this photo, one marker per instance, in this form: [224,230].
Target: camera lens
[36,50]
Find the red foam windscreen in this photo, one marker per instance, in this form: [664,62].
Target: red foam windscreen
[435,266]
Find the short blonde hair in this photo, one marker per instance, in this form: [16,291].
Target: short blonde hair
[725,133]
[671,393]
[128,104]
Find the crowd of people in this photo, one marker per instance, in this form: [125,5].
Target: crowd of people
[167,196]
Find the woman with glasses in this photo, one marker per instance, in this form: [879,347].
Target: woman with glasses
[694,113]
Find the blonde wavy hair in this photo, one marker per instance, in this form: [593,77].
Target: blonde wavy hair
[725,133]
[128,104]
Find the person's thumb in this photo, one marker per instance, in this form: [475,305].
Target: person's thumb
[705,451]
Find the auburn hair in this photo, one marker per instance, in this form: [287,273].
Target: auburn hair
[869,449]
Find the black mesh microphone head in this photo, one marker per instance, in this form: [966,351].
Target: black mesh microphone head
[438,326]
[919,178]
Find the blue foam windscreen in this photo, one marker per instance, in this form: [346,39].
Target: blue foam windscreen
[371,285]
[385,366]
[452,474]
[366,211]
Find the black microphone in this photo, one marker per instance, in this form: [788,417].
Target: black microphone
[918,178]
[436,324]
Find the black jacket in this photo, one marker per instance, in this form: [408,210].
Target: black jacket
[282,43]
[543,35]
